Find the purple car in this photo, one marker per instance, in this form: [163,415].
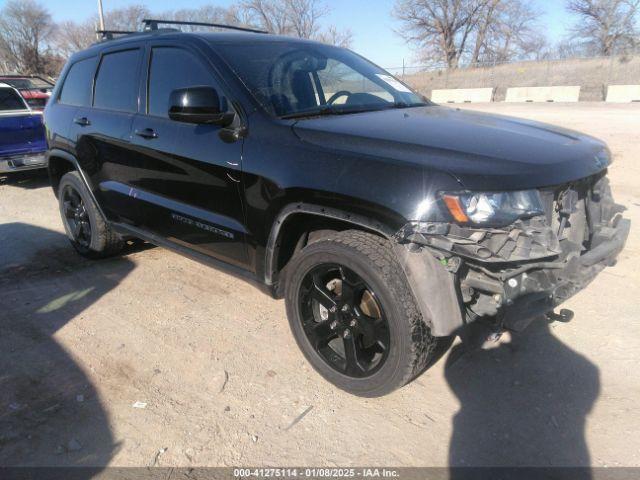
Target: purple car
[22,137]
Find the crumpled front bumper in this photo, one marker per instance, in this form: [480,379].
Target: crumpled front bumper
[520,296]
[510,276]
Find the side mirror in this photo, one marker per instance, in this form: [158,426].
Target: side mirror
[200,105]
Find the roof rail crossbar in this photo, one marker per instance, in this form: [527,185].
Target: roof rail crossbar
[152,24]
[109,34]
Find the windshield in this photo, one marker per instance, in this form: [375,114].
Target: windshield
[297,79]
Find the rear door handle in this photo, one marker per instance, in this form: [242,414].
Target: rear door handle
[82,121]
[147,133]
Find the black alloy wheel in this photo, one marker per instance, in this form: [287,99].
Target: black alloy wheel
[76,216]
[353,314]
[344,321]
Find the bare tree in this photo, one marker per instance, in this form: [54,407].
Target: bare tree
[26,29]
[298,18]
[128,18]
[483,27]
[606,27]
[441,29]
[208,14]
[304,16]
[333,36]
[470,31]
[512,34]
[268,14]
[71,37]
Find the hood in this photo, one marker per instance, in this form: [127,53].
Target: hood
[484,152]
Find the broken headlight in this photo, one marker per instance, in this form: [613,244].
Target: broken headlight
[492,208]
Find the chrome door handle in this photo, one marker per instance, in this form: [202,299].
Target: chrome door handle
[147,133]
[82,121]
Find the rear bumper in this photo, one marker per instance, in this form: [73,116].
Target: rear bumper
[27,161]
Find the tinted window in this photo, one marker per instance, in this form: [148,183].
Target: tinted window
[10,100]
[117,81]
[173,68]
[77,85]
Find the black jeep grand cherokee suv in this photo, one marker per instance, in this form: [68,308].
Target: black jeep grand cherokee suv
[384,221]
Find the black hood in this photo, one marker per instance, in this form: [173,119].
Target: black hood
[484,152]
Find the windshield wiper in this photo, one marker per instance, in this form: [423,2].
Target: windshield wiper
[332,110]
[408,105]
[327,110]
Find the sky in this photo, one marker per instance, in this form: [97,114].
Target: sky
[369,20]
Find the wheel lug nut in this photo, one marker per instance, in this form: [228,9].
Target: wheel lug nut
[345,308]
[346,334]
[353,323]
[333,309]
[334,325]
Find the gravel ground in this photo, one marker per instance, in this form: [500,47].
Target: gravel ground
[222,382]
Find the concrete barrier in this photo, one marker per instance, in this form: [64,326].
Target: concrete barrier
[623,93]
[543,94]
[463,95]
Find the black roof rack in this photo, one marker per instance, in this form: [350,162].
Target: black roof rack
[152,24]
[109,34]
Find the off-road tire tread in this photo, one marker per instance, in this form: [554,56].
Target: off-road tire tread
[380,253]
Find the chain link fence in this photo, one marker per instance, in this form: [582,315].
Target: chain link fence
[593,74]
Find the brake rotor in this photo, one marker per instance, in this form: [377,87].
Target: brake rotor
[368,304]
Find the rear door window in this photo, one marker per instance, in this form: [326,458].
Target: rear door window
[172,68]
[78,82]
[10,100]
[117,81]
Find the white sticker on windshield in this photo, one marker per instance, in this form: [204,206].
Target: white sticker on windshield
[389,80]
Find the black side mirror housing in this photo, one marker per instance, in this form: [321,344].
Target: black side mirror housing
[199,105]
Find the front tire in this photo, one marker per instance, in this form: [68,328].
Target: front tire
[353,315]
[87,231]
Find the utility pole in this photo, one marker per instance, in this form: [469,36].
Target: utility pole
[100,14]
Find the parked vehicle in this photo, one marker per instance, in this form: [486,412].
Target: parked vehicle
[35,90]
[386,222]
[22,137]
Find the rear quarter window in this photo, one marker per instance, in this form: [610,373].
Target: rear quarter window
[10,100]
[117,81]
[76,89]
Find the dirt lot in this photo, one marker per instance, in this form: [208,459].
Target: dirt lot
[224,383]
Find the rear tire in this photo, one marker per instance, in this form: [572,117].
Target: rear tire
[87,231]
[353,255]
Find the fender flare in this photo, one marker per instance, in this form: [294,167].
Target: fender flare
[433,287]
[273,244]
[55,152]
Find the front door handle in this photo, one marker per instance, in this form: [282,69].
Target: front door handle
[147,133]
[82,121]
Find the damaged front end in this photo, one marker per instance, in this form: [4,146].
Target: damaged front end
[509,275]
